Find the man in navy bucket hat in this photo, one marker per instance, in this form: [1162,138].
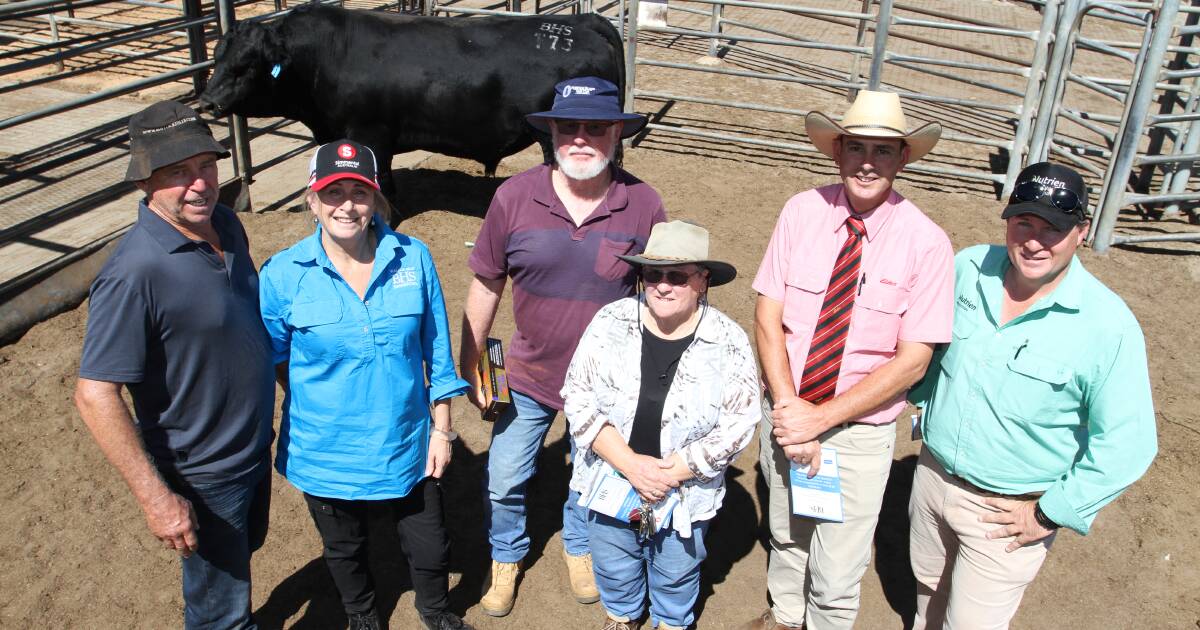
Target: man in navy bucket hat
[556,230]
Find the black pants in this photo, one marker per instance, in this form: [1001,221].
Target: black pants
[418,518]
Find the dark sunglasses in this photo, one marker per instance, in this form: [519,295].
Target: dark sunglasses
[571,127]
[674,278]
[1060,198]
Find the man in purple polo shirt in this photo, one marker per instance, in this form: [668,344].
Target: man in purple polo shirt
[556,230]
[855,288]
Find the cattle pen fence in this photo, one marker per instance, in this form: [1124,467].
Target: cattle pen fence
[1110,87]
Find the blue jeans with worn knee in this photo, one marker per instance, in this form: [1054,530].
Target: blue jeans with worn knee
[512,460]
[667,564]
[233,524]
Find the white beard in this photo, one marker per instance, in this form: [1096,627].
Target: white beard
[581,172]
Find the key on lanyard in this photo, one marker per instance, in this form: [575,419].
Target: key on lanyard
[646,525]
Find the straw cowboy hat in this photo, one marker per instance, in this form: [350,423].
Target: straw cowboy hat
[682,243]
[872,115]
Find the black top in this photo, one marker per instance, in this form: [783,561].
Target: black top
[182,330]
[660,357]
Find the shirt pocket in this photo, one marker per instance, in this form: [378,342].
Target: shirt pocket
[607,265]
[401,332]
[1035,386]
[965,325]
[875,324]
[803,293]
[317,333]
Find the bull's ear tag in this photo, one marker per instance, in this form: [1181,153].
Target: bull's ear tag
[275,69]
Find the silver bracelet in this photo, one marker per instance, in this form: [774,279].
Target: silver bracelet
[449,436]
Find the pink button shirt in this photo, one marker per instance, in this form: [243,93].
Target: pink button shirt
[907,282]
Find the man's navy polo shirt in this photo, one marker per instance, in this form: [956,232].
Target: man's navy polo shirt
[181,329]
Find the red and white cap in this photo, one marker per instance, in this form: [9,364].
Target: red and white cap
[342,159]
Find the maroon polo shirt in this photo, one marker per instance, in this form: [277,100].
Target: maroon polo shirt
[561,273]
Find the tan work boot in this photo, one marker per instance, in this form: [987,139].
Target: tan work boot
[502,590]
[583,581]
[766,621]
[617,624]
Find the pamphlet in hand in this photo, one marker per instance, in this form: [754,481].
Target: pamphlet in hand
[821,496]
[616,498]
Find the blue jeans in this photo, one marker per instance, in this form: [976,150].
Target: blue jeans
[512,460]
[233,524]
[622,565]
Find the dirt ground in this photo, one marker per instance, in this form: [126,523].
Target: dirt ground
[76,552]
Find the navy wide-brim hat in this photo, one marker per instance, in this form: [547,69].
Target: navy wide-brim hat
[587,98]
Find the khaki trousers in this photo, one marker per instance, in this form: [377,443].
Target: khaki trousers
[964,580]
[815,567]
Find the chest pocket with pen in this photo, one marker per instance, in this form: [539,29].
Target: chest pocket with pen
[1037,387]
[875,324]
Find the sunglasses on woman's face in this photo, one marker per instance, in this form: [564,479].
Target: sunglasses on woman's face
[1060,198]
[571,127]
[675,278]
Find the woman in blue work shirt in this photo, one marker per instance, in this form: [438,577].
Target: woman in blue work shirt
[358,326]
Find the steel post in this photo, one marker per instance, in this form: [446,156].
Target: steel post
[1182,172]
[715,27]
[1033,87]
[239,138]
[197,48]
[860,38]
[1051,94]
[883,21]
[1126,152]
[631,16]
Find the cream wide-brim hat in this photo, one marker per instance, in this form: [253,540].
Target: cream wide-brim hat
[682,243]
[872,115]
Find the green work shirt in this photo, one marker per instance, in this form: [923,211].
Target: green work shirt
[1055,401]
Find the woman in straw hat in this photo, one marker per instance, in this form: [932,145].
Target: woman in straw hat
[358,325]
[661,396]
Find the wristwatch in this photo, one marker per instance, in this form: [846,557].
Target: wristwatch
[1042,519]
[449,436]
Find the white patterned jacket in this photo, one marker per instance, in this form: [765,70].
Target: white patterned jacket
[710,414]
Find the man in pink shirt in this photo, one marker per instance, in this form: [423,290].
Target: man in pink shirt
[855,289]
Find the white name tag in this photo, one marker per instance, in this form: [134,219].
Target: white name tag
[616,498]
[821,496]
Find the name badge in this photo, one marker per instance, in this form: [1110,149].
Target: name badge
[821,496]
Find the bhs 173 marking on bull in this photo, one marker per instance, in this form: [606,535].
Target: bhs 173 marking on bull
[554,36]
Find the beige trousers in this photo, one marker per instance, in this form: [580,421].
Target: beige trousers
[964,580]
[815,567]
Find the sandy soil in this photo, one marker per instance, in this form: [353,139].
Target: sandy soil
[76,553]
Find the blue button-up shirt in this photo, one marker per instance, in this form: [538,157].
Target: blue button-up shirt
[1056,400]
[362,372]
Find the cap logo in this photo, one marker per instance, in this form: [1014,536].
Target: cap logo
[347,152]
[181,121]
[582,90]
[1049,181]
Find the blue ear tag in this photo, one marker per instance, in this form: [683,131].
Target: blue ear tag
[275,71]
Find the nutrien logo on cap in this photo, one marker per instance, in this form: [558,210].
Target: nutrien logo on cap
[1049,181]
[346,151]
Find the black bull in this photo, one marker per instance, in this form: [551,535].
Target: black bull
[456,86]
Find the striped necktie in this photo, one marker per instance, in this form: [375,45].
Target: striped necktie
[829,338]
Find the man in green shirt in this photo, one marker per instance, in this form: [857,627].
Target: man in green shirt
[1036,415]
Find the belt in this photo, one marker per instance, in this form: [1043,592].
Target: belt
[1029,496]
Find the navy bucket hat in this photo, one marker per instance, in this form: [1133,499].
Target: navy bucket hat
[587,98]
